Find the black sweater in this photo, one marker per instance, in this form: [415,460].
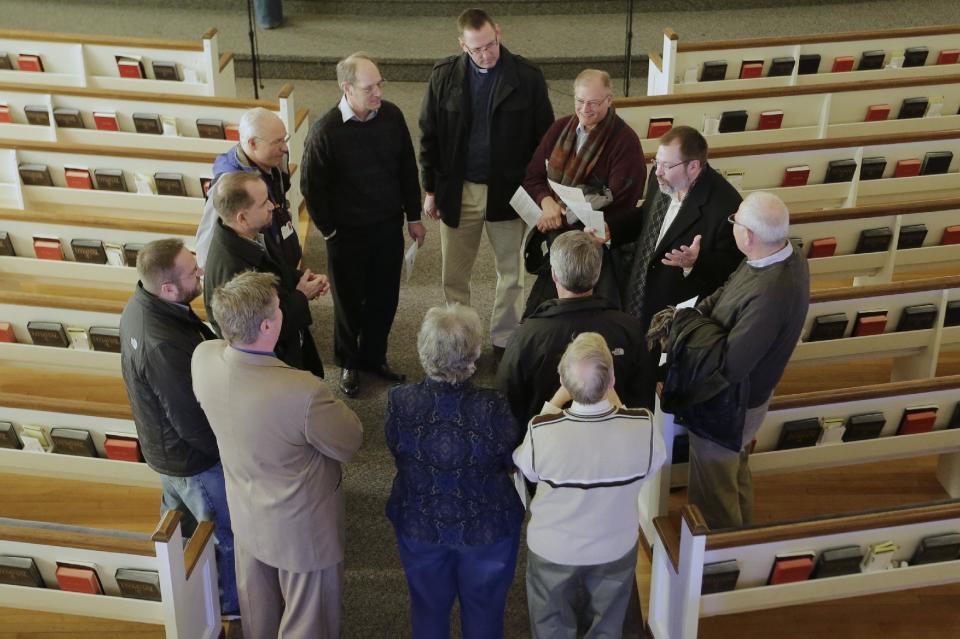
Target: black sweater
[356,174]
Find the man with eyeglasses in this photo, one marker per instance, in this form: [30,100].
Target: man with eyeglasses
[359,180]
[682,244]
[482,118]
[262,150]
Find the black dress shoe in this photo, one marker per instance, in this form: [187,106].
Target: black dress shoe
[383,371]
[350,382]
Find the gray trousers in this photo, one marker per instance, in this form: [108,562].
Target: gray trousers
[720,483]
[552,597]
[279,604]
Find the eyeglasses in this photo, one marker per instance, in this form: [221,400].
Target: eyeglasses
[657,166]
[732,219]
[278,141]
[367,89]
[484,49]
[593,104]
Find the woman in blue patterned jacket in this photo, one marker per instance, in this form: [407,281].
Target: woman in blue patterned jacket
[453,503]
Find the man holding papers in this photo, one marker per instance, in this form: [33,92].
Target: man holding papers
[596,154]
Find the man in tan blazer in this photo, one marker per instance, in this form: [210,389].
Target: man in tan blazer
[282,438]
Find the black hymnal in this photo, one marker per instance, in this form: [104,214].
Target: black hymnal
[20,571]
[870,60]
[917,317]
[713,70]
[955,418]
[912,108]
[874,240]
[148,123]
[937,548]
[91,251]
[48,334]
[732,121]
[681,449]
[719,576]
[809,63]
[104,338]
[170,184]
[68,118]
[781,66]
[9,437]
[840,171]
[210,128]
[139,584]
[826,327]
[835,562]
[799,433]
[110,179]
[163,70]
[952,316]
[864,426]
[130,252]
[35,175]
[6,245]
[911,236]
[5,63]
[39,115]
[872,168]
[936,162]
[73,441]
[915,56]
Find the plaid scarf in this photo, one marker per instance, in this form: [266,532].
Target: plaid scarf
[570,167]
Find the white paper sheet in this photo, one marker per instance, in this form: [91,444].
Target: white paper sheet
[591,219]
[525,207]
[409,258]
[570,195]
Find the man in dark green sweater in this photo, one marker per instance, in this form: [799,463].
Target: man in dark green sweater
[762,307]
[359,179]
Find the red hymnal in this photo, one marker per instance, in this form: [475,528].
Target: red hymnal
[231,132]
[6,333]
[877,112]
[78,579]
[658,126]
[78,178]
[796,175]
[917,420]
[770,120]
[948,56]
[824,247]
[907,168]
[870,325]
[129,68]
[951,235]
[789,568]
[122,448]
[29,62]
[47,248]
[842,63]
[5,113]
[751,69]
[105,121]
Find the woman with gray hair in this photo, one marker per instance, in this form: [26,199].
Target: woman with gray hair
[453,503]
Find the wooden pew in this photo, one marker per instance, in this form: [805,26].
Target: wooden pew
[678,69]
[76,60]
[684,546]
[189,607]
[809,112]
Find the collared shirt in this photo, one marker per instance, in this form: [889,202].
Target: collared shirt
[779,256]
[582,135]
[347,112]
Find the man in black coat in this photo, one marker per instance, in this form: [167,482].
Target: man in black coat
[239,244]
[482,118]
[158,333]
[684,245]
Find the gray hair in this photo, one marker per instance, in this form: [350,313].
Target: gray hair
[241,305]
[449,342]
[347,68]
[767,216]
[586,368]
[575,259]
[156,263]
[253,122]
[593,75]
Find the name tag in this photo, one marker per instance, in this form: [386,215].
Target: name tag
[286,230]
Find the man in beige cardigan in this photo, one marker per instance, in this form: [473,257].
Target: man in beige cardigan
[282,438]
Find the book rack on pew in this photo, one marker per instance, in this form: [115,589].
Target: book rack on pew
[74,60]
[792,114]
[184,576]
[819,412]
[106,118]
[683,548]
[689,67]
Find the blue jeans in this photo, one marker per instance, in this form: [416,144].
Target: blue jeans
[202,497]
[269,13]
[479,575]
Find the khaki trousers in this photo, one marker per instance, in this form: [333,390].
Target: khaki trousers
[460,246]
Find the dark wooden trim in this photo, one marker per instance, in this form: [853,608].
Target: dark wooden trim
[86,219]
[225,59]
[191,554]
[209,33]
[694,519]
[876,210]
[163,533]
[833,526]
[873,391]
[162,98]
[658,62]
[293,166]
[890,288]
[64,405]
[75,539]
[645,546]
[79,38]
[747,43]
[89,304]
[668,530]
[671,34]
[285,91]
[779,92]
[83,149]
[301,117]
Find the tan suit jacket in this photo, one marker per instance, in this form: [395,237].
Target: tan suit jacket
[282,436]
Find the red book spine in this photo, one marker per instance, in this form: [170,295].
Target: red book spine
[796,176]
[948,56]
[657,129]
[951,235]
[129,69]
[917,422]
[751,70]
[790,570]
[231,132]
[907,168]
[122,449]
[877,112]
[770,120]
[872,325]
[27,62]
[83,580]
[5,113]
[48,249]
[7,334]
[106,122]
[78,179]
[842,63]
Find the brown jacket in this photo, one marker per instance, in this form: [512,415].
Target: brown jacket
[282,437]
